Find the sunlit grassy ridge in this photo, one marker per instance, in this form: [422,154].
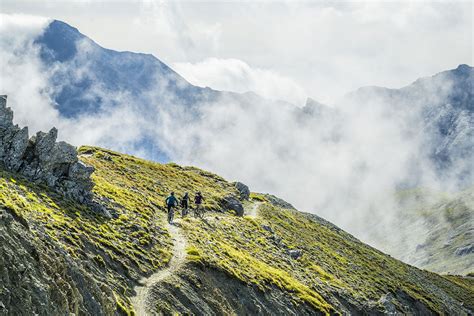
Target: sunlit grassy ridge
[334,264]
[118,250]
[134,241]
[142,185]
[131,244]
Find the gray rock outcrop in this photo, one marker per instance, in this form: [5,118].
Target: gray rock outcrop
[231,203]
[295,253]
[37,277]
[244,190]
[43,160]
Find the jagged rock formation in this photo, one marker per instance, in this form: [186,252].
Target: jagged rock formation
[42,159]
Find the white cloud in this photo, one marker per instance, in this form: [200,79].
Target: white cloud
[22,77]
[328,48]
[344,167]
[235,75]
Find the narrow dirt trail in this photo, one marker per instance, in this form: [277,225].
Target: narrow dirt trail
[139,301]
[253,210]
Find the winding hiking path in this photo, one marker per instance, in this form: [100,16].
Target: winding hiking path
[139,301]
[253,210]
[179,257]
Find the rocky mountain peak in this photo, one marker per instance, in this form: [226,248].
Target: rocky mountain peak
[42,159]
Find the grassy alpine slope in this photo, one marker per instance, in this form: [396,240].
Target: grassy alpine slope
[133,242]
[448,220]
[330,271]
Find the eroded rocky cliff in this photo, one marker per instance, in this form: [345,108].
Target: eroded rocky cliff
[42,159]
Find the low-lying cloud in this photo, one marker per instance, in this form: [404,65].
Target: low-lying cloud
[343,163]
[236,75]
[21,74]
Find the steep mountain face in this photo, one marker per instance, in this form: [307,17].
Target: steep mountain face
[87,80]
[445,223]
[83,68]
[439,110]
[58,256]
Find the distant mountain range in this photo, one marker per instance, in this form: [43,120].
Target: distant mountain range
[87,78]
[135,74]
[440,109]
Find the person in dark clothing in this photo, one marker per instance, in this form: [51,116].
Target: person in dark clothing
[184,204]
[198,198]
[171,202]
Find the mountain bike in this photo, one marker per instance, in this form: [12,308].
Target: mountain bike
[199,211]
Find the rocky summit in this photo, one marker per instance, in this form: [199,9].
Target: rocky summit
[43,160]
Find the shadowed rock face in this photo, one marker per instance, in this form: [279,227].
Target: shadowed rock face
[40,278]
[42,159]
[243,189]
[231,203]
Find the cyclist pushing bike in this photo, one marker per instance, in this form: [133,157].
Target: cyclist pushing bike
[198,199]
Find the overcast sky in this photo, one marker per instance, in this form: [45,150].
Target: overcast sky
[286,50]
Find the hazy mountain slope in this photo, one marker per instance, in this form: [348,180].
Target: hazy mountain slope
[445,223]
[85,78]
[438,109]
[82,66]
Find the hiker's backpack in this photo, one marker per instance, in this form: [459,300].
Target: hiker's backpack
[198,199]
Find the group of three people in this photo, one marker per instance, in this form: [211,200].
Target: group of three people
[172,202]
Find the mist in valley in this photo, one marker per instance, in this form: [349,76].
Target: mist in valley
[343,161]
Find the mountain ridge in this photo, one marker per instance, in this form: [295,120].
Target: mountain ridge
[461,68]
[279,260]
[108,79]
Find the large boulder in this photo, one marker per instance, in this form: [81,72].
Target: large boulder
[42,159]
[231,203]
[243,190]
